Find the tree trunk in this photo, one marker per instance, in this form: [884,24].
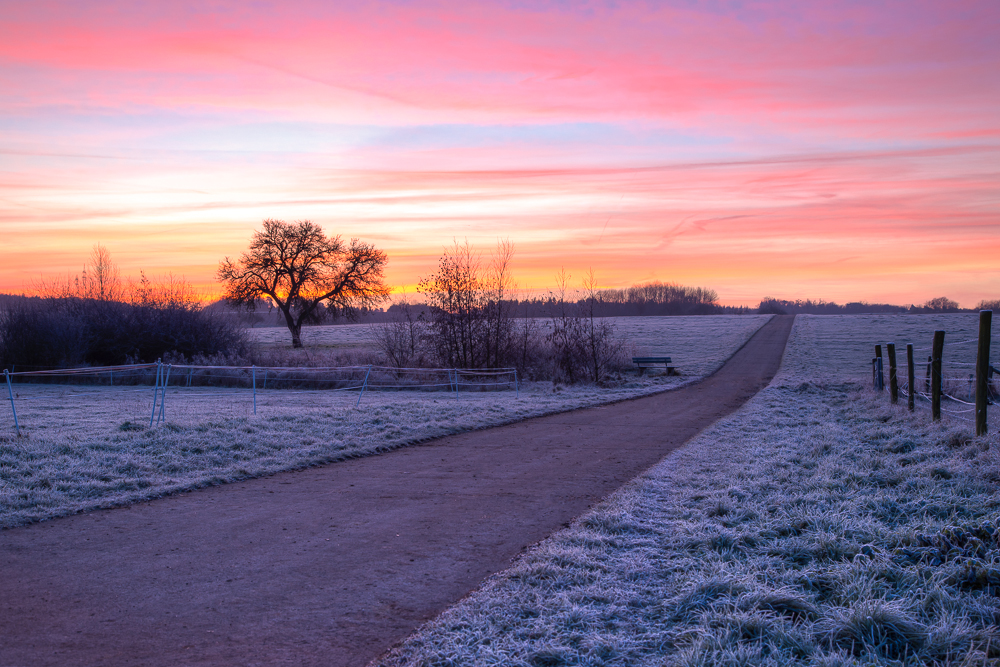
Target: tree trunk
[294,327]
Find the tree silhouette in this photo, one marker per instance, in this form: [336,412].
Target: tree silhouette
[305,273]
[100,280]
[941,303]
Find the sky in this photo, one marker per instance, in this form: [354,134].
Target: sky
[842,151]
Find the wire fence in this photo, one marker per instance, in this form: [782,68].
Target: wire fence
[158,385]
[957,380]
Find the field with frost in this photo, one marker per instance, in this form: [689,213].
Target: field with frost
[842,346]
[697,344]
[818,525]
[837,348]
[91,446]
[324,335]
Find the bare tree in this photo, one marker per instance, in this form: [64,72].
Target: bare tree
[471,313]
[454,293]
[100,280]
[526,342]
[104,280]
[602,346]
[498,309]
[565,338]
[304,272]
[582,343]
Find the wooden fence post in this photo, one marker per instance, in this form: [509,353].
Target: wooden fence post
[879,376]
[893,382]
[983,370]
[910,397]
[937,351]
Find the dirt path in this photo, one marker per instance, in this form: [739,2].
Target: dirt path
[332,565]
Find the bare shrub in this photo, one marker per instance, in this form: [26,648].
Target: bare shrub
[471,323]
[602,344]
[36,332]
[401,338]
[51,333]
[100,280]
[528,348]
[582,344]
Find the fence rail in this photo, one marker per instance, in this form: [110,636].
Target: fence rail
[256,379]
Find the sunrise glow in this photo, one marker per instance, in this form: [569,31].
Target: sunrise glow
[841,151]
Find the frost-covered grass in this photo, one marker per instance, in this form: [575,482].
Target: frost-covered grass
[818,525]
[323,335]
[696,344]
[88,446]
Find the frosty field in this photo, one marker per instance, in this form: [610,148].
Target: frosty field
[325,335]
[841,347]
[818,525]
[696,344]
[90,446]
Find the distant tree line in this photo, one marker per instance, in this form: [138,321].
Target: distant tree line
[97,318]
[654,298]
[941,304]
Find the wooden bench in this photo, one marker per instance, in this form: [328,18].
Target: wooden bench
[652,362]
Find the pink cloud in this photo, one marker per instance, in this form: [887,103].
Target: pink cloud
[463,61]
